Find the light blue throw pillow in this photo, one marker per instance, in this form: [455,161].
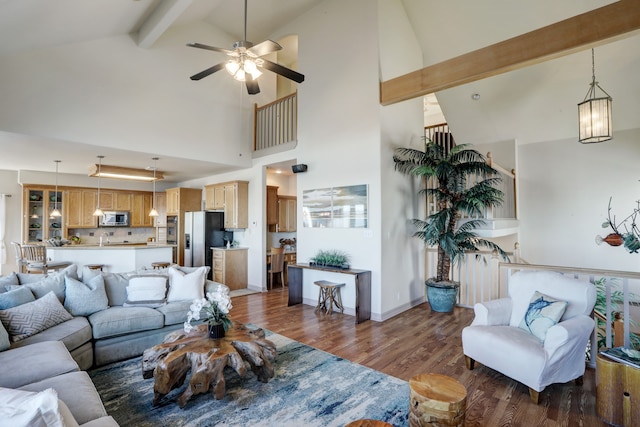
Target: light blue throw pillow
[18,295]
[9,280]
[84,299]
[543,312]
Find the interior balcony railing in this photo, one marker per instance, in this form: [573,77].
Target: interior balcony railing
[276,123]
[618,292]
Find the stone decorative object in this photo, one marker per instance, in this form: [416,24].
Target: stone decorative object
[170,362]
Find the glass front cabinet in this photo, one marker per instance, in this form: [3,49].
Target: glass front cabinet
[40,226]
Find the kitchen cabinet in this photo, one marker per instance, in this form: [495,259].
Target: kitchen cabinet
[230,267]
[112,200]
[214,197]
[38,205]
[161,207]
[79,207]
[236,204]
[141,207]
[272,205]
[179,201]
[233,198]
[287,213]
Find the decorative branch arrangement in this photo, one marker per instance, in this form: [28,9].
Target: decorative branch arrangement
[630,237]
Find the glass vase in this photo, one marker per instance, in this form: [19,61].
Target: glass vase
[216,331]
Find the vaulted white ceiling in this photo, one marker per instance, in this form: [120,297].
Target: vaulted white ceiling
[140,36]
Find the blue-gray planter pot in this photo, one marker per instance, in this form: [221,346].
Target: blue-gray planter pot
[442,297]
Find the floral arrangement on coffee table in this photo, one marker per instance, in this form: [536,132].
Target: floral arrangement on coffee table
[212,310]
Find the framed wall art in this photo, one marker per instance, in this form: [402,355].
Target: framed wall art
[336,207]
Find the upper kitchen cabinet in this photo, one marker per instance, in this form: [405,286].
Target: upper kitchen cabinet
[287,213]
[235,202]
[38,205]
[272,205]
[142,203]
[183,200]
[214,197]
[161,207]
[116,200]
[79,207]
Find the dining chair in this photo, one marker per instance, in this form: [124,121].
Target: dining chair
[36,260]
[276,266]
[20,261]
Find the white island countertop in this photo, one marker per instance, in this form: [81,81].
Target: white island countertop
[116,257]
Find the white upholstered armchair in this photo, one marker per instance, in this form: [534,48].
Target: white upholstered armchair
[518,336]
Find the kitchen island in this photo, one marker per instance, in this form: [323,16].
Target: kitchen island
[116,258]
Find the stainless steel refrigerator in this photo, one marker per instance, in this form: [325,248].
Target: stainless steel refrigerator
[202,231]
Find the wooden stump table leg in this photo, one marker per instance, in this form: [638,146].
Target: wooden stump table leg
[436,400]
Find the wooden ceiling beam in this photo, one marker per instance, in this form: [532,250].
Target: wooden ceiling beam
[605,24]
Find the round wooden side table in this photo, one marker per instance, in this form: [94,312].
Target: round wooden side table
[436,400]
[368,423]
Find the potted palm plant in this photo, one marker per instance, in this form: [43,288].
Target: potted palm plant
[464,184]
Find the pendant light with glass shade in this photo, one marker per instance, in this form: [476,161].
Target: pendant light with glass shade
[594,113]
[154,211]
[98,211]
[55,213]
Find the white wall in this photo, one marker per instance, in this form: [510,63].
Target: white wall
[564,192]
[9,185]
[402,258]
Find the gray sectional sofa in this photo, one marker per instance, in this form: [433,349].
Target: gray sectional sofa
[97,319]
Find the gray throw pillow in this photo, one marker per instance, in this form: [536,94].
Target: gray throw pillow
[114,283]
[5,344]
[47,284]
[84,299]
[6,281]
[18,295]
[33,317]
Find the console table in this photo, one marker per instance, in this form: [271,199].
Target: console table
[362,281]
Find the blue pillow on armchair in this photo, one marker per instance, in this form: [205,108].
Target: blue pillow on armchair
[543,312]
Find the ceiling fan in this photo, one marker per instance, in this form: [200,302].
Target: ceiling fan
[246,61]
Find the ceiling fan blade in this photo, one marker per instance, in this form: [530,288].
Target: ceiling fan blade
[264,48]
[252,85]
[283,71]
[207,72]
[213,48]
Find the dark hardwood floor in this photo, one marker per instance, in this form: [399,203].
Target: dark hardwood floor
[419,341]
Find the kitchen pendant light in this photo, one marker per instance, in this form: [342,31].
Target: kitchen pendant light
[56,212]
[594,113]
[154,212]
[98,211]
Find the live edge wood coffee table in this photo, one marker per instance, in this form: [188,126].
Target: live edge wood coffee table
[170,362]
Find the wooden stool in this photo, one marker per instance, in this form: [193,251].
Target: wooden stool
[368,423]
[329,293]
[159,265]
[436,400]
[95,266]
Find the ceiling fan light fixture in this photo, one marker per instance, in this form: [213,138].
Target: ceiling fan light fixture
[232,67]
[240,75]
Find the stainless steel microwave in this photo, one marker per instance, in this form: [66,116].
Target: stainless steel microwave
[114,219]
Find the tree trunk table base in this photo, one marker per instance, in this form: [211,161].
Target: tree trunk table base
[436,400]
[170,362]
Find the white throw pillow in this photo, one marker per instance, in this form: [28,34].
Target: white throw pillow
[146,291]
[186,287]
[34,409]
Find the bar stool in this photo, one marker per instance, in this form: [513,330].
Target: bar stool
[159,264]
[95,266]
[329,296]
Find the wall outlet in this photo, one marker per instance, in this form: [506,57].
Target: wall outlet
[128,233]
[91,234]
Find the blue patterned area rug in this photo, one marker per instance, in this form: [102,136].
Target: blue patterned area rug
[310,388]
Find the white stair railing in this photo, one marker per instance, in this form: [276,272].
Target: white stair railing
[276,123]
